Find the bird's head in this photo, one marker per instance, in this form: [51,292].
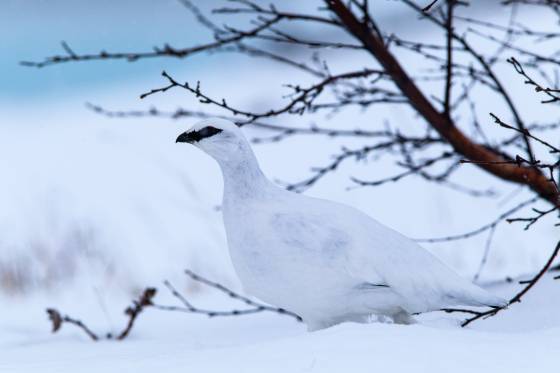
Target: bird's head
[219,138]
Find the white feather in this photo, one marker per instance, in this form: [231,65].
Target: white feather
[325,261]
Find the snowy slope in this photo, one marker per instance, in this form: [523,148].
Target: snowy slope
[524,338]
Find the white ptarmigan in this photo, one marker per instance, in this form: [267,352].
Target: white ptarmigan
[325,261]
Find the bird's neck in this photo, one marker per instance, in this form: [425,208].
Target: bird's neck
[243,177]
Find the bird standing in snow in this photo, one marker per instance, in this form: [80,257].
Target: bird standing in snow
[325,261]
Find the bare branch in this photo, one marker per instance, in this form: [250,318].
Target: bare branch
[483,228]
[281,132]
[449,50]
[518,296]
[145,300]
[132,312]
[489,71]
[57,320]
[188,307]
[301,101]
[165,51]
[553,94]
[461,143]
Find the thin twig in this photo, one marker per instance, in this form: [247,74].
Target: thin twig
[57,320]
[190,308]
[518,296]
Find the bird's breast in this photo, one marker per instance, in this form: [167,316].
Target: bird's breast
[280,257]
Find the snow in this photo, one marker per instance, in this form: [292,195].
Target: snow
[523,338]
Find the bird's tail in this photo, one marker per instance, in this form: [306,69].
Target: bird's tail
[475,296]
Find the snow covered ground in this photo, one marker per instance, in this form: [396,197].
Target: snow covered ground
[522,339]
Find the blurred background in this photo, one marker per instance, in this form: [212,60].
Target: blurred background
[101,205]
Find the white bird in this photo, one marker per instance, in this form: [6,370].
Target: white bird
[325,261]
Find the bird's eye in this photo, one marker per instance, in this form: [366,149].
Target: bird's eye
[208,131]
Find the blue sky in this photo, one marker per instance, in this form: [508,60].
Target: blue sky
[31,30]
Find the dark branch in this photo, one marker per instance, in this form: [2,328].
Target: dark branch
[518,296]
[57,320]
[165,51]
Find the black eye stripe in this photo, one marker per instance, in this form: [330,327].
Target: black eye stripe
[207,132]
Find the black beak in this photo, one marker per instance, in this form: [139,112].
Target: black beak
[188,137]
[195,136]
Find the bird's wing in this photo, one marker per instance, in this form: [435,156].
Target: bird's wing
[407,269]
[317,236]
[422,281]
